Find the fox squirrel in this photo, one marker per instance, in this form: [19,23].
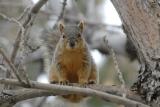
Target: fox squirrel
[72,62]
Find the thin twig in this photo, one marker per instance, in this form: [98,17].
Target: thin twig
[23,14]
[63,9]
[21,68]
[120,75]
[12,20]
[61,13]
[26,76]
[11,66]
[64,90]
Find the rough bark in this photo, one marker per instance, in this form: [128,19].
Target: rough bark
[141,21]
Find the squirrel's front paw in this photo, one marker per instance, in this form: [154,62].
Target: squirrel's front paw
[63,82]
[83,84]
[54,82]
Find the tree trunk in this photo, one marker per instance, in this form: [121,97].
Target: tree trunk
[141,22]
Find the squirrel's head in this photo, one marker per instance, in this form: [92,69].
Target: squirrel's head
[71,36]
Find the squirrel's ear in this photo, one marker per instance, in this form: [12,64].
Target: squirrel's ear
[81,25]
[61,27]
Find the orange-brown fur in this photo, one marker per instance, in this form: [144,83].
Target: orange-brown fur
[73,65]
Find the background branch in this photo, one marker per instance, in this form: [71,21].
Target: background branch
[120,75]
[11,66]
[28,22]
[61,13]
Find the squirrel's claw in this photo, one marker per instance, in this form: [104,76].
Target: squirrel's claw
[64,82]
[83,84]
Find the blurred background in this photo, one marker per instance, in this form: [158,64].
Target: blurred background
[101,22]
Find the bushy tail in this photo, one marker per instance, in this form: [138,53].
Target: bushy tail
[75,98]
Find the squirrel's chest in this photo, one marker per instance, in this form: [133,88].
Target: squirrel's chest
[72,61]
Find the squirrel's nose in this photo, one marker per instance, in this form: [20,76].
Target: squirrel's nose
[72,44]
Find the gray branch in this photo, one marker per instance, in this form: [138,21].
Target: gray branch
[40,89]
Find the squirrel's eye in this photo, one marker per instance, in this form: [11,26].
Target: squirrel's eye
[63,36]
[79,35]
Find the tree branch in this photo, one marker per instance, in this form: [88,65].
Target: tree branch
[28,22]
[11,66]
[54,89]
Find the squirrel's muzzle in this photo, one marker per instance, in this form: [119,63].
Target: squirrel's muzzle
[71,44]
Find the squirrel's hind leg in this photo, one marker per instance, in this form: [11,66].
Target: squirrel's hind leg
[93,75]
